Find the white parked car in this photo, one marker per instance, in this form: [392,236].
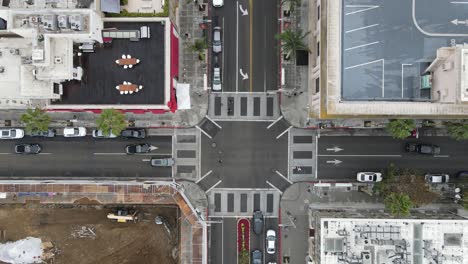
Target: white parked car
[437,178]
[369,176]
[11,133]
[217,40]
[216,79]
[271,240]
[74,132]
[218,3]
[100,134]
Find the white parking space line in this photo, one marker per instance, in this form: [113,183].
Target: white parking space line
[370,62]
[216,124]
[364,45]
[402,76]
[363,64]
[365,8]
[203,131]
[284,132]
[279,118]
[274,187]
[279,173]
[212,187]
[361,28]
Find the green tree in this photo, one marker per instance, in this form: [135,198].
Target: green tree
[36,120]
[111,119]
[199,46]
[400,128]
[398,204]
[292,41]
[458,130]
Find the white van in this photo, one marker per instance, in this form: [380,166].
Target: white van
[145,32]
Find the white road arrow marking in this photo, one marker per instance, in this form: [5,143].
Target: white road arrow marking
[335,149]
[335,161]
[245,76]
[459,22]
[153,148]
[243,11]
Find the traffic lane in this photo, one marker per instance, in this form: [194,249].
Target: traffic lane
[364,145]
[216,241]
[350,166]
[257,241]
[224,17]
[265,52]
[244,47]
[75,165]
[229,252]
[272,223]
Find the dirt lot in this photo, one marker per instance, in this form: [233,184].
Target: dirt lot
[142,242]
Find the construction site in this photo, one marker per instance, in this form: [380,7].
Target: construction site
[99,223]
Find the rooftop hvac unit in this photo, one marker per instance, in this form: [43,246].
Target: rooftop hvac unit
[58,60]
[76,22]
[50,22]
[34,20]
[63,21]
[366,257]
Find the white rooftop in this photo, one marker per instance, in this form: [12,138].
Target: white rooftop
[390,241]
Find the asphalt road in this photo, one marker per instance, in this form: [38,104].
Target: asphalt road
[244,155]
[376,153]
[223,239]
[83,157]
[249,47]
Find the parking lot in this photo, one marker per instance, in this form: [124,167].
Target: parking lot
[101,74]
[387,45]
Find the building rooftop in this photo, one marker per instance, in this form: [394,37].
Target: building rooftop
[389,241]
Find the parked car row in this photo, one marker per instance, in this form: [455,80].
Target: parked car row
[16,133]
[257,228]
[435,178]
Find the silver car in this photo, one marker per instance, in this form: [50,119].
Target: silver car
[165,162]
[217,40]
[216,79]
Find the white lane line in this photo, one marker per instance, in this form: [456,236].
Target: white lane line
[274,187]
[454,2]
[350,155]
[383,78]
[206,174]
[316,151]
[237,47]
[361,46]
[222,63]
[139,154]
[212,121]
[284,132]
[365,8]
[203,131]
[239,216]
[5,153]
[363,64]
[279,173]
[44,153]
[279,118]
[212,187]
[361,28]
[402,76]
[441,156]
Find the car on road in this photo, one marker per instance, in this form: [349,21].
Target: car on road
[133,133]
[437,177]
[218,3]
[99,133]
[217,40]
[271,241]
[216,79]
[257,257]
[369,177]
[74,132]
[164,162]
[48,133]
[11,133]
[257,222]
[28,148]
[427,149]
[138,148]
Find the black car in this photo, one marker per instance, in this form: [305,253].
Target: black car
[27,148]
[48,133]
[138,148]
[257,257]
[133,133]
[428,149]
[258,222]
[462,174]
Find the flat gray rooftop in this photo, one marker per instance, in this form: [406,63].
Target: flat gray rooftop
[386,45]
